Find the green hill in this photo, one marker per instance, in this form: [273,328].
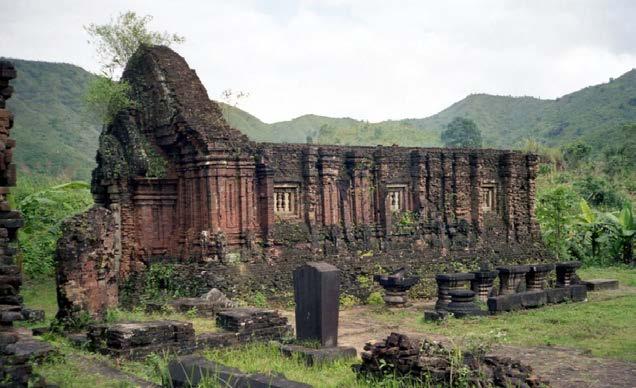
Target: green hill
[590,114]
[56,137]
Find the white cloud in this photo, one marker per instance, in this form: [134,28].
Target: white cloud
[370,60]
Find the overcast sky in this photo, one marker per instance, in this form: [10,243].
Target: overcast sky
[366,59]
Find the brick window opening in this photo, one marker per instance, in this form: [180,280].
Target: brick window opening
[488,198]
[286,200]
[396,198]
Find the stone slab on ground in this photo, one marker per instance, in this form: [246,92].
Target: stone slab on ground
[534,299]
[315,356]
[247,319]
[135,340]
[225,339]
[189,371]
[601,284]
[201,307]
[127,335]
[18,349]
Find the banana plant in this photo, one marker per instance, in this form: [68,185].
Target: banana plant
[596,230]
[626,231]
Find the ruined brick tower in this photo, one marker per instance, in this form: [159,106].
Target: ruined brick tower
[175,182]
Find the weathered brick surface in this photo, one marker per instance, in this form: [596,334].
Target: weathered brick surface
[184,185]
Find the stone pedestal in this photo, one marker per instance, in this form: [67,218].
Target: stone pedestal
[463,304]
[510,277]
[482,284]
[537,275]
[395,287]
[447,282]
[317,292]
[565,272]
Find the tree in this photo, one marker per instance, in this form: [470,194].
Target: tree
[118,40]
[576,153]
[555,210]
[115,43]
[460,133]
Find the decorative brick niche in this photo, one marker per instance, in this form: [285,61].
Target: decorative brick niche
[287,200]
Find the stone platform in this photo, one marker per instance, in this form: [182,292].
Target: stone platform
[601,284]
[534,299]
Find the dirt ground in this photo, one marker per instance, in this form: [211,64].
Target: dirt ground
[563,367]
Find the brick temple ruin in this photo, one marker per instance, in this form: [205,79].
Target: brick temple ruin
[175,182]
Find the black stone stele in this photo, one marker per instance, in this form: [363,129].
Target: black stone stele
[482,283]
[511,277]
[447,282]
[396,285]
[537,275]
[463,304]
[316,293]
[565,272]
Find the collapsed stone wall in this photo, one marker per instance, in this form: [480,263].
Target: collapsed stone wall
[183,186]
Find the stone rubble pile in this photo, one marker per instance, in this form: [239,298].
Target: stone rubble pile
[249,319]
[137,339]
[433,364]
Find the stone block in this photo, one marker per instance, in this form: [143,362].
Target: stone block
[189,371]
[533,299]
[315,356]
[248,319]
[518,301]
[33,315]
[317,292]
[557,295]
[578,292]
[510,302]
[601,284]
[136,339]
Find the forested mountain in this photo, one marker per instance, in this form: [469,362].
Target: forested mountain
[54,133]
[56,136]
[592,114]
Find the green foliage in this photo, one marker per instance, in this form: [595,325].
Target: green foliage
[375,299]
[625,231]
[599,191]
[44,206]
[555,210]
[347,301]
[106,97]
[160,283]
[118,40]
[576,153]
[256,299]
[461,133]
